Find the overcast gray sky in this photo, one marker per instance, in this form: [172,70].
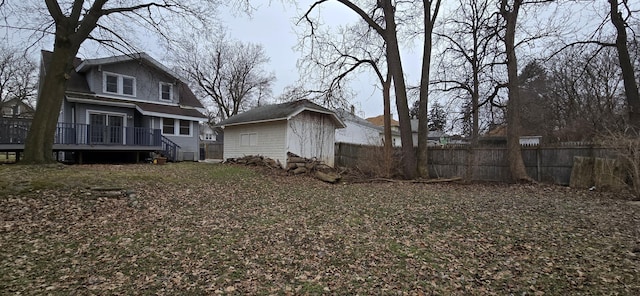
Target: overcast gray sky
[274,27]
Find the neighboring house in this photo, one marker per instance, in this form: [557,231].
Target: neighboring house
[128,104]
[301,128]
[211,139]
[358,131]
[530,140]
[16,108]
[497,136]
[395,129]
[209,134]
[433,137]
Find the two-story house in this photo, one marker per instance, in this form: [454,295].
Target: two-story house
[127,106]
[16,108]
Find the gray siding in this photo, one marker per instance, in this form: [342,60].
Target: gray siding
[82,110]
[147,86]
[189,146]
[147,80]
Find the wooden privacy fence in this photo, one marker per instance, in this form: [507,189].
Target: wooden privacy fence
[210,150]
[551,164]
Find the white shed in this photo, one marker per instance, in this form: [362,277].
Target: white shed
[300,127]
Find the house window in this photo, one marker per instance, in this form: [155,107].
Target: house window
[208,137]
[111,84]
[128,85]
[248,139]
[185,127]
[171,126]
[15,110]
[119,84]
[168,126]
[166,91]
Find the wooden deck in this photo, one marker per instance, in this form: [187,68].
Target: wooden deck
[77,137]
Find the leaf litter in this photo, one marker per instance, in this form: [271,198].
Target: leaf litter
[220,229]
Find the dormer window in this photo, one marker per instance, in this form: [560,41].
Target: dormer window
[119,84]
[166,91]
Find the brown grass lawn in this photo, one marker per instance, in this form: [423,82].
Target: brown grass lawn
[195,228]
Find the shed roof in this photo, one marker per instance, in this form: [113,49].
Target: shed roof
[276,112]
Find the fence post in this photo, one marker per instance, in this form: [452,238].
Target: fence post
[538,163]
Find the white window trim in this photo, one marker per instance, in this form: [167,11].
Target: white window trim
[123,115]
[162,126]
[255,136]
[91,111]
[176,128]
[170,91]
[120,84]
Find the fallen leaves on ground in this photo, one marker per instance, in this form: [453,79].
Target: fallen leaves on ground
[220,229]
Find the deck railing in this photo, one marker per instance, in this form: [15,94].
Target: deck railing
[14,131]
[170,149]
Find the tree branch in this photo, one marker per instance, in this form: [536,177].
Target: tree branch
[133,8]
[55,11]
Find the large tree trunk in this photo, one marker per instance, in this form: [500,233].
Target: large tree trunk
[39,143]
[69,34]
[395,67]
[628,73]
[516,164]
[388,140]
[475,97]
[423,123]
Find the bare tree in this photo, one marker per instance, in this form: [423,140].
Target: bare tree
[230,74]
[628,73]
[332,58]
[334,61]
[509,12]
[17,77]
[381,18]
[585,95]
[621,15]
[430,13]
[466,70]
[72,23]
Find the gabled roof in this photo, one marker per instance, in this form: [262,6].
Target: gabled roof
[78,81]
[348,116]
[284,111]
[139,56]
